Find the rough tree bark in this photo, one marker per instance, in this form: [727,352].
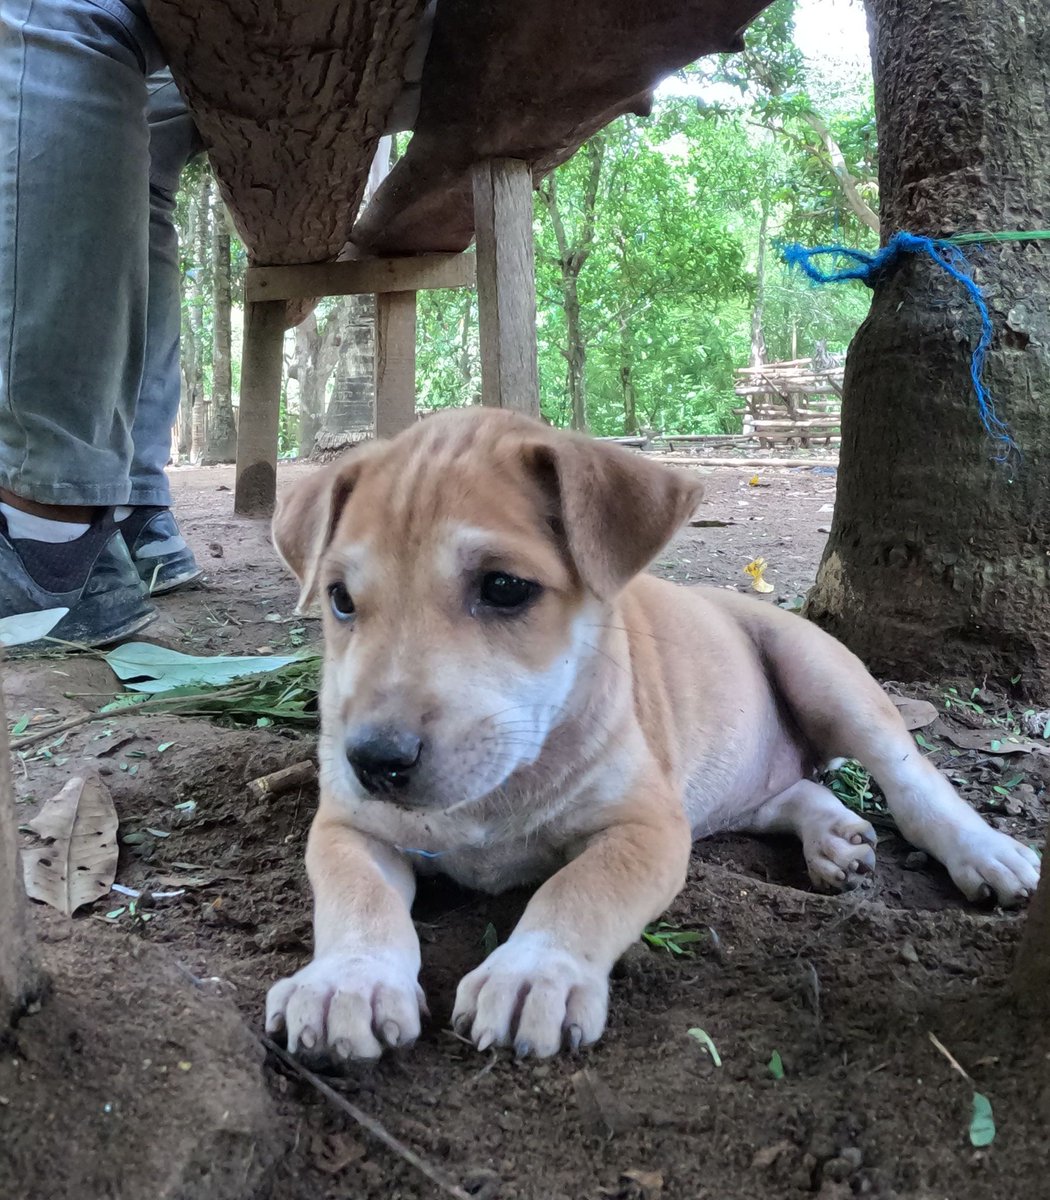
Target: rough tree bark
[937,561]
[19,979]
[351,410]
[572,256]
[220,444]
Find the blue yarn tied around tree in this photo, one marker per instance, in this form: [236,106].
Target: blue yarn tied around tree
[946,256]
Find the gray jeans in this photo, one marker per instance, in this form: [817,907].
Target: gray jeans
[93,138]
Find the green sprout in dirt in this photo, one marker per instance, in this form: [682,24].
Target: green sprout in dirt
[668,938]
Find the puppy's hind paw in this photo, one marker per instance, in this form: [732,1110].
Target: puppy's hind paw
[841,854]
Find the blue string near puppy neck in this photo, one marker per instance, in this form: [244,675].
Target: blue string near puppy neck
[949,258]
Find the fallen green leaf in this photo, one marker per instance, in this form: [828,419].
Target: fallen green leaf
[776,1065]
[982,1123]
[152,669]
[29,627]
[704,1038]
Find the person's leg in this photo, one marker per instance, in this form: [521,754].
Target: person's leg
[161,555]
[74,214]
[173,142]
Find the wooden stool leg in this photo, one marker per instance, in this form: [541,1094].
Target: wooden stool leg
[258,421]
[506,285]
[395,362]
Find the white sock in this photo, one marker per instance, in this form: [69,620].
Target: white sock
[32,528]
[122,512]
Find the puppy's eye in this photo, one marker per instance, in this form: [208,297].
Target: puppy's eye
[500,590]
[341,601]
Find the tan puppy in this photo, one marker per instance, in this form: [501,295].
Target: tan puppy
[507,700]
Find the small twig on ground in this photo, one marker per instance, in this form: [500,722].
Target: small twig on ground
[276,783]
[370,1124]
[951,1058]
[811,983]
[41,735]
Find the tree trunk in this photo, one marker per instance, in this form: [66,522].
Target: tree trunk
[221,435]
[317,349]
[575,354]
[937,561]
[1031,978]
[351,411]
[19,980]
[758,337]
[627,390]
[573,254]
[836,164]
[181,433]
[302,370]
[466,366]
[196,321]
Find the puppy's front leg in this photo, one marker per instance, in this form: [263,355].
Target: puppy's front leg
[549,983]
[360,993]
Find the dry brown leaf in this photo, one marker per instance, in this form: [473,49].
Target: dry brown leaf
[992,741]
[79,862]
[917,714]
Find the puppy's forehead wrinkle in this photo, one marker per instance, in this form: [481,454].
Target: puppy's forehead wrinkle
[459,465]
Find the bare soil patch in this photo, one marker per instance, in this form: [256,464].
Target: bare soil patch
[95,1099]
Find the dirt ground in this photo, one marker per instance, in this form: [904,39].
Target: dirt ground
[140,1076]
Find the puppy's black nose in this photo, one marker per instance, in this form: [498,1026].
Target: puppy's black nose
[383,758]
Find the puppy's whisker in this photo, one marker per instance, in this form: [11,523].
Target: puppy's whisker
[605,654]
[633,632]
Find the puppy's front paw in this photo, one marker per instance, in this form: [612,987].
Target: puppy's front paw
[533,995]
[986,863]
[345,1006]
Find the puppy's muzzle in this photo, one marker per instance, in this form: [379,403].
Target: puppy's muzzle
[384,758]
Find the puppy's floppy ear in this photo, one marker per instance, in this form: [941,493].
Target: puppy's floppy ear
[307,514]
[616,508]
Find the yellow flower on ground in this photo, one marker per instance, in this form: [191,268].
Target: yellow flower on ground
[757,570]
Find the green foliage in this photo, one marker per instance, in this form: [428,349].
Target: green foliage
[665,250]
[657,254]
[852,784]
[668,938]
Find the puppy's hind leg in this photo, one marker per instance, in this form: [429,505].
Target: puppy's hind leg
[843,713]
[839,845]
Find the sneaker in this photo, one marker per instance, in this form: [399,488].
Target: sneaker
[92,576]
[161,556]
